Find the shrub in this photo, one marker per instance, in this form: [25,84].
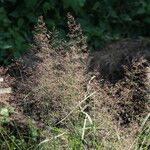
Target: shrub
[101,21]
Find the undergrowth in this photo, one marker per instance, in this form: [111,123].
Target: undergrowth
[58,104]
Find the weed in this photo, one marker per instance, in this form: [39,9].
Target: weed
[71,108]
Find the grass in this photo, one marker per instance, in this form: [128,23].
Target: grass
[58,104]
[73,139]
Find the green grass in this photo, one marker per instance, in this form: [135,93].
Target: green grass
[68,139]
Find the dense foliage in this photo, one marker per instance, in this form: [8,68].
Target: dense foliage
[100,19]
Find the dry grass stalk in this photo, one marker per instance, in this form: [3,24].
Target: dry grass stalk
[60,78]
[56,84]
[1,79]
[5,91]
[117,109]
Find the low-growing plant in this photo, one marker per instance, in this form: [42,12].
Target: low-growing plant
[72,108]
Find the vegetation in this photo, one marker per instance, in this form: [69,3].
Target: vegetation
[56,94]
[101,21]
[57,103]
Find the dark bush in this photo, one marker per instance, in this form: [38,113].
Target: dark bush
[101,20]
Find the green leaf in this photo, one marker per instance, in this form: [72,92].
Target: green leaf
[4,120]
[74,4]
[125,17]
[147,20]
[4,112]
[81,2]
[96,6]
[30,3]
[20,22]
[141,11]
[11,109]
[7,46]
[47,6]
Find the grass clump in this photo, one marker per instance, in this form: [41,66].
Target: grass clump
[61,105]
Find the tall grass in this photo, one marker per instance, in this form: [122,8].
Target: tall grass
[60,105]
